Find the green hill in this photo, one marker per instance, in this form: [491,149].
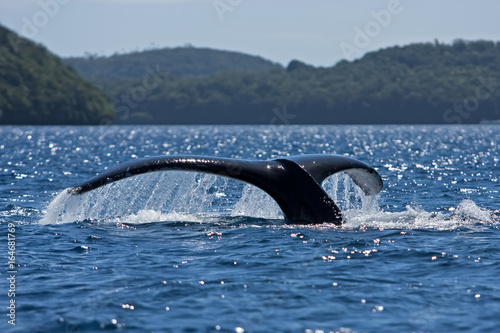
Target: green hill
[180,61]
[37,88]
[428,83]
[415,84]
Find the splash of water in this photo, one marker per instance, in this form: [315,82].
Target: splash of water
[466,215]
[167,196]
[257,203]
[195,197]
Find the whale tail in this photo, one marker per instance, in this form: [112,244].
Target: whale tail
[293,182]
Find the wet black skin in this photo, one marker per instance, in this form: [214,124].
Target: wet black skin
[293,182]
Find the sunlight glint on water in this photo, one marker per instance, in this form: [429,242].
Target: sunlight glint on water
[174,194]
[413,259]
[195,197]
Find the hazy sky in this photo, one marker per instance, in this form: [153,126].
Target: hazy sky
[319,32]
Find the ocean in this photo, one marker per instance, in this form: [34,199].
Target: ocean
[188,252]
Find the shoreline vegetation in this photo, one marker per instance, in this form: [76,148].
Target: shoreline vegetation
[427,83]
[36,88]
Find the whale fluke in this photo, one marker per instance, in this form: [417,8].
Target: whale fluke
[293,182]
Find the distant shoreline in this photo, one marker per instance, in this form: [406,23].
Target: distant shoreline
[426,83]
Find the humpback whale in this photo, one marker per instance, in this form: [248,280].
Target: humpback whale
[293,182]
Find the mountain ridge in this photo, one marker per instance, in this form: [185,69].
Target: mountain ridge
[422,83]
[179,61]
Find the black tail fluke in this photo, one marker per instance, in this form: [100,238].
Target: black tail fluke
[293,182]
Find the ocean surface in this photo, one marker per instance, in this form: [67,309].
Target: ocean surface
[187,252]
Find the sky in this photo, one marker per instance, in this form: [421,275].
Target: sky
[317,32]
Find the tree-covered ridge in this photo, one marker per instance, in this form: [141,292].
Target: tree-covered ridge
[37,88]
[180,61]
[419,83]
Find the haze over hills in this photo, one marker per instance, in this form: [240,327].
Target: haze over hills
[427,83]
[37,88]
[419,83]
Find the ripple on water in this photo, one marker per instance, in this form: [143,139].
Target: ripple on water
[416,258]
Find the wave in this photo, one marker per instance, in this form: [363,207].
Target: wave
[466,215]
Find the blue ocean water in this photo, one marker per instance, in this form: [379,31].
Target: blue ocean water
[187,252]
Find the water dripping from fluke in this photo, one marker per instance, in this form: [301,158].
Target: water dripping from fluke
[195,197]
[293,182]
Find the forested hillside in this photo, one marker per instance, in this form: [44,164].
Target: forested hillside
[180,61]
[427,83]
[37,88]
[415,84]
